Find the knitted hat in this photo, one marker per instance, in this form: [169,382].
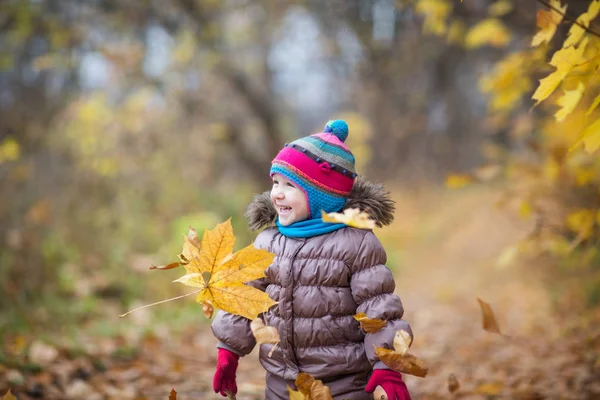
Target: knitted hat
[320,164]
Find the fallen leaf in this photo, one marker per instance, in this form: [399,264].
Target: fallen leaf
[402,341]
[173,394]
[453,384]
[370,325]
[9,396]
[491,389]
[313,388]
[264,334]
[42,354]
[403,363]
[489,320]
[458,181]
[352,217]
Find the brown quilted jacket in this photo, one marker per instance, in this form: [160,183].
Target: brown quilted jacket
[320,283]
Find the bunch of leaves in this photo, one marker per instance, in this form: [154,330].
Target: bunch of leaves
[221,274]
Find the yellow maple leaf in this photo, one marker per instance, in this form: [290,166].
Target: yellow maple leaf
[564,60]
[221,275]
[547,21]
[296,395]
[568,101]
[593,106]
[590,138]
[576,32]
[352,217]
[490,31]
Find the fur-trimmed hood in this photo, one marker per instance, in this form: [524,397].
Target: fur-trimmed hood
[369,197]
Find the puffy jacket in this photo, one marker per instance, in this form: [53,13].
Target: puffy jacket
[320,283]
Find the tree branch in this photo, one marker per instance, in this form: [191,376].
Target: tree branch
[568,18]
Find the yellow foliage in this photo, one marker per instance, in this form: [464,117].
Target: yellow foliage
[576,32]
[9,150]
[581,221]
[435,13]
[221,275]
[507,83]
[568,101]
[490,31]
[500,8]
[9,396]
[458,181]
[547,21]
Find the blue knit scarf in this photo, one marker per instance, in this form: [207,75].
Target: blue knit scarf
[308,228]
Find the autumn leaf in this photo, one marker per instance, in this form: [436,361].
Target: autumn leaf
[296,395]
[564,60]
[9,396]
[370,325]
[547,21]
[352,217]
[173,394]
[490,31]
[489,320]
[568,101]
[405,364]
[313,388]
[576,31]
[221,275]
[208,309]
[264,334]
[399,359]
[453,384]
[590,138]
[402,341]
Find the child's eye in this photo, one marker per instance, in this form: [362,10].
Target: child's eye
[290,185]
[275,182]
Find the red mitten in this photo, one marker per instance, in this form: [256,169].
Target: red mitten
[391,382]
[224,379]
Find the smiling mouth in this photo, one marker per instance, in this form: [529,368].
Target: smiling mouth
[284,210]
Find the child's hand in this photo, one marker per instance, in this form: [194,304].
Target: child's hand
[224,378]
[391,382]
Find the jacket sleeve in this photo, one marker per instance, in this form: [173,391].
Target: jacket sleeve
[233,331]
[373,285]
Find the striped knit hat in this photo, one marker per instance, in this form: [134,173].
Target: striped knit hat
[322,165]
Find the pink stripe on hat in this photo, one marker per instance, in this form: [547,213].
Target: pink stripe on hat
[319,174]
[331,138]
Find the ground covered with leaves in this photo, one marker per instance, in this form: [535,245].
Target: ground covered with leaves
[444,252]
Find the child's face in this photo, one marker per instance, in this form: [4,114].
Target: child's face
[289,200]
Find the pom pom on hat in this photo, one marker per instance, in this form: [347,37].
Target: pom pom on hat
[338,127]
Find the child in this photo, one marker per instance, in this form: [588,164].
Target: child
[322,275]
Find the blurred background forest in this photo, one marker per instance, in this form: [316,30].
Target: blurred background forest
[124,122]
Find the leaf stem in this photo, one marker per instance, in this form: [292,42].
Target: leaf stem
[568,18]
[160,302]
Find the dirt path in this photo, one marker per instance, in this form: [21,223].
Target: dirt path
[449,247]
